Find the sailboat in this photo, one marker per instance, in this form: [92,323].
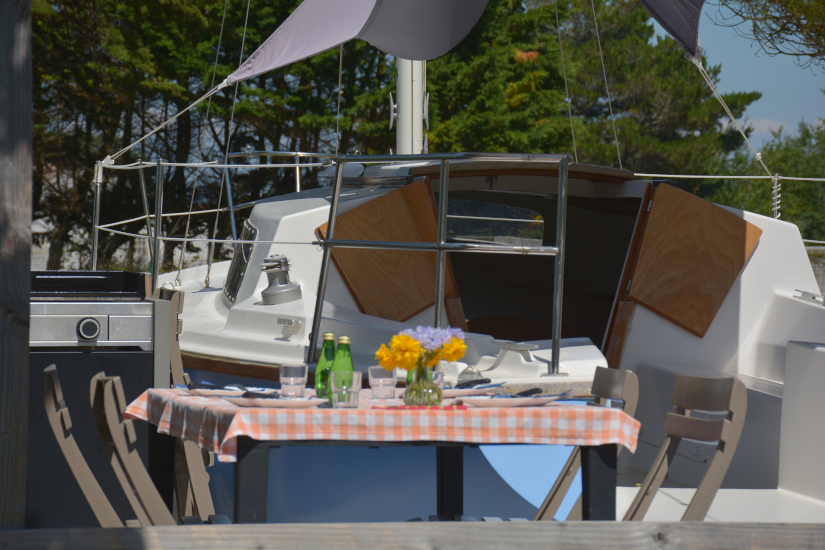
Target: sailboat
[651,278]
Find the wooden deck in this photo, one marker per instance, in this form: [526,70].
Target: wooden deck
[421,535]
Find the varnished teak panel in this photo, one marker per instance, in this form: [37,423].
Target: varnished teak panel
[393,284]
[691,254]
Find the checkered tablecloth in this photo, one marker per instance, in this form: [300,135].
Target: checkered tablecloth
[215,424]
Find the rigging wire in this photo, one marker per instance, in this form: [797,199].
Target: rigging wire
[706,76]
[200,145]
[340,93]
[777,186]
[604,72]
[225,177]
[110,159]
[566,90]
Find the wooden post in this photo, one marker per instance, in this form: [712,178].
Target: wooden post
[15,253]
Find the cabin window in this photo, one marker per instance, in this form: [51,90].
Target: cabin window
[469,220]
[240,261]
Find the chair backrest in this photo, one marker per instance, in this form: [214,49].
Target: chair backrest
[119,437]
[724,395]
[176,362]
[61,423]
[616,385]
[191,479]
[608,384]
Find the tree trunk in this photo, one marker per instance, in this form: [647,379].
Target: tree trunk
[57,244]
[15,254]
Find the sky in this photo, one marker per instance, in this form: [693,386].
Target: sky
[789,93]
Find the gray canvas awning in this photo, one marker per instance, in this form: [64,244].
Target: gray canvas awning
[680,18]
[410,29]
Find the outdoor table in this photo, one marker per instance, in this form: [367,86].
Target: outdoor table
[244,435]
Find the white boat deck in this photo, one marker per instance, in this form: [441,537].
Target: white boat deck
[730,505]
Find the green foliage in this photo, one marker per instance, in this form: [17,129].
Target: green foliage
[107,72]
[500,89]
[780,27]
[667,119]
[803,202]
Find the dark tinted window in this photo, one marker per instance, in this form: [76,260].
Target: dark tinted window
[240,261]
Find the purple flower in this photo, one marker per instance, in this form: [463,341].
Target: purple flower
[432,338]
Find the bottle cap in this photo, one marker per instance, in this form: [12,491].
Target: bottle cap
[329,336]
[343,340]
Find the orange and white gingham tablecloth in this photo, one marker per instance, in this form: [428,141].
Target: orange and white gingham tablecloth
[215,424]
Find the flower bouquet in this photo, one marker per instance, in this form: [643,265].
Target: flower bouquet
[419,350]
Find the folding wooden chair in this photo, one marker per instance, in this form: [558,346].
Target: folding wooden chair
[118,437]
[692,393]
[191,479]
[61,423]
[608,384]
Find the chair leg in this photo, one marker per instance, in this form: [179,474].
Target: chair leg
[199,480]
[576,511]
[554,498]
[655,477]
[183,488]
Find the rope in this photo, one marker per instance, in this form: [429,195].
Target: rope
[208,94]
[226,151]
[706,76]
[340,93]
[200,144]
[566,90]
[604,72]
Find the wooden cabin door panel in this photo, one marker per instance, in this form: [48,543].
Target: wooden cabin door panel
[394,284]
[691,254]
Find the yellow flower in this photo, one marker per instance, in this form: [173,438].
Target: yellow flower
[403,352]
[453,350]
[384,357]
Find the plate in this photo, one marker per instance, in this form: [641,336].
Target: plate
[510,401]
[273,403]
[216,393]
[461,392]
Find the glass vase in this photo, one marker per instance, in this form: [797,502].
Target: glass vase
[423,391]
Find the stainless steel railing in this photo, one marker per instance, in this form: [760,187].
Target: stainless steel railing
[441,246]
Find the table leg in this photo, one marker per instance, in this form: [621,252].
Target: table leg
[599,482]
[251,475]
[450,481]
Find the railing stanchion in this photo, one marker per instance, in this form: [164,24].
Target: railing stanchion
[322,280]
[558,272]
[158,225]
[96,215]
[231,206]
[297,174]
[441,258]
[146,212]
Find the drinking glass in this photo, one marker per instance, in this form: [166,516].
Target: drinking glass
[382,382]
[293,380]
[344,387]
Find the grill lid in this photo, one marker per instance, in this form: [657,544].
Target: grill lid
[89,286]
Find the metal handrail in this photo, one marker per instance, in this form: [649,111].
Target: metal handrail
[441,246]
[160,164]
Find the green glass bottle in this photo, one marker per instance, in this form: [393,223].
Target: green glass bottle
[343,359]
[324,364]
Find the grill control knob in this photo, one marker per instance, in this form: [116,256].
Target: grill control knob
[88,329]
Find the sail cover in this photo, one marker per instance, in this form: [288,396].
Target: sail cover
[680,18]
[410,29]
